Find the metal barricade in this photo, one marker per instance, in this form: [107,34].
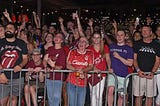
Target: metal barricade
[106,88]
[133,77]
[11,83]
[42,100]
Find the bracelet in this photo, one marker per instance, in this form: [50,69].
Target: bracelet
[138,70]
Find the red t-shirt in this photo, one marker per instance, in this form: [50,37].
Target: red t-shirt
[79,61]
[66,48]
[60,56]
[99,61]
[31,64]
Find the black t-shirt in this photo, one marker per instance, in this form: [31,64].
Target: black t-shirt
[11,55]
[146,54]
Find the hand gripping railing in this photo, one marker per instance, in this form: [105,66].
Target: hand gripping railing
[125,87]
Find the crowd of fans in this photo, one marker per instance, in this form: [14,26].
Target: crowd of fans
[82,49]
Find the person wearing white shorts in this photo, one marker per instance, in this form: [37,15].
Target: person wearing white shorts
[158,89]
[144,86]
[146,59]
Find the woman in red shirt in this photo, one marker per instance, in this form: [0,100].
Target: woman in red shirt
[34,67]
[80,61]
[101,61]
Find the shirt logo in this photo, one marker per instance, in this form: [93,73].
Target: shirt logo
[147,50]
[98,59]
[76,62]
[9,59]
[86,58]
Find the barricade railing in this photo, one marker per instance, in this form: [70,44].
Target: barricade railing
[125,90]
[115,88]
[45,86]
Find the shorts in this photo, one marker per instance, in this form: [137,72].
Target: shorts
[158,88]
[111,82]
[16,86]
[33,82]
[143,86]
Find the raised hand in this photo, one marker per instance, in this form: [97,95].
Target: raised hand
[75,15]
[90,23]
[6,14]
[114,24]
[34,13]
[60,19]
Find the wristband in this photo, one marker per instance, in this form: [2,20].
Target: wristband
[138,70]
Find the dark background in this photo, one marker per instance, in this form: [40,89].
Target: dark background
[50,10]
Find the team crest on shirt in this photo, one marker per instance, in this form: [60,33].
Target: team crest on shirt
[98,59]
[86,58]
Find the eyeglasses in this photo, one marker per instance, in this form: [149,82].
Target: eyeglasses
[36,54]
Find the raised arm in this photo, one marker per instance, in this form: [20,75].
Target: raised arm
[36,20]
[23,25]
[90,23]
[6,14]
[62,25]
[79,24]
[115,28]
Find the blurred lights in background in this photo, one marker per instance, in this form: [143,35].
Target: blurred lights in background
[120,15]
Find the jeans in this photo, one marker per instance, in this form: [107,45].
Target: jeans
[54,90]
[76,95]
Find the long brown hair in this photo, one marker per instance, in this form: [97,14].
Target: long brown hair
[102,52]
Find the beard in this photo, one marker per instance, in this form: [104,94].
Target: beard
[9,34]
